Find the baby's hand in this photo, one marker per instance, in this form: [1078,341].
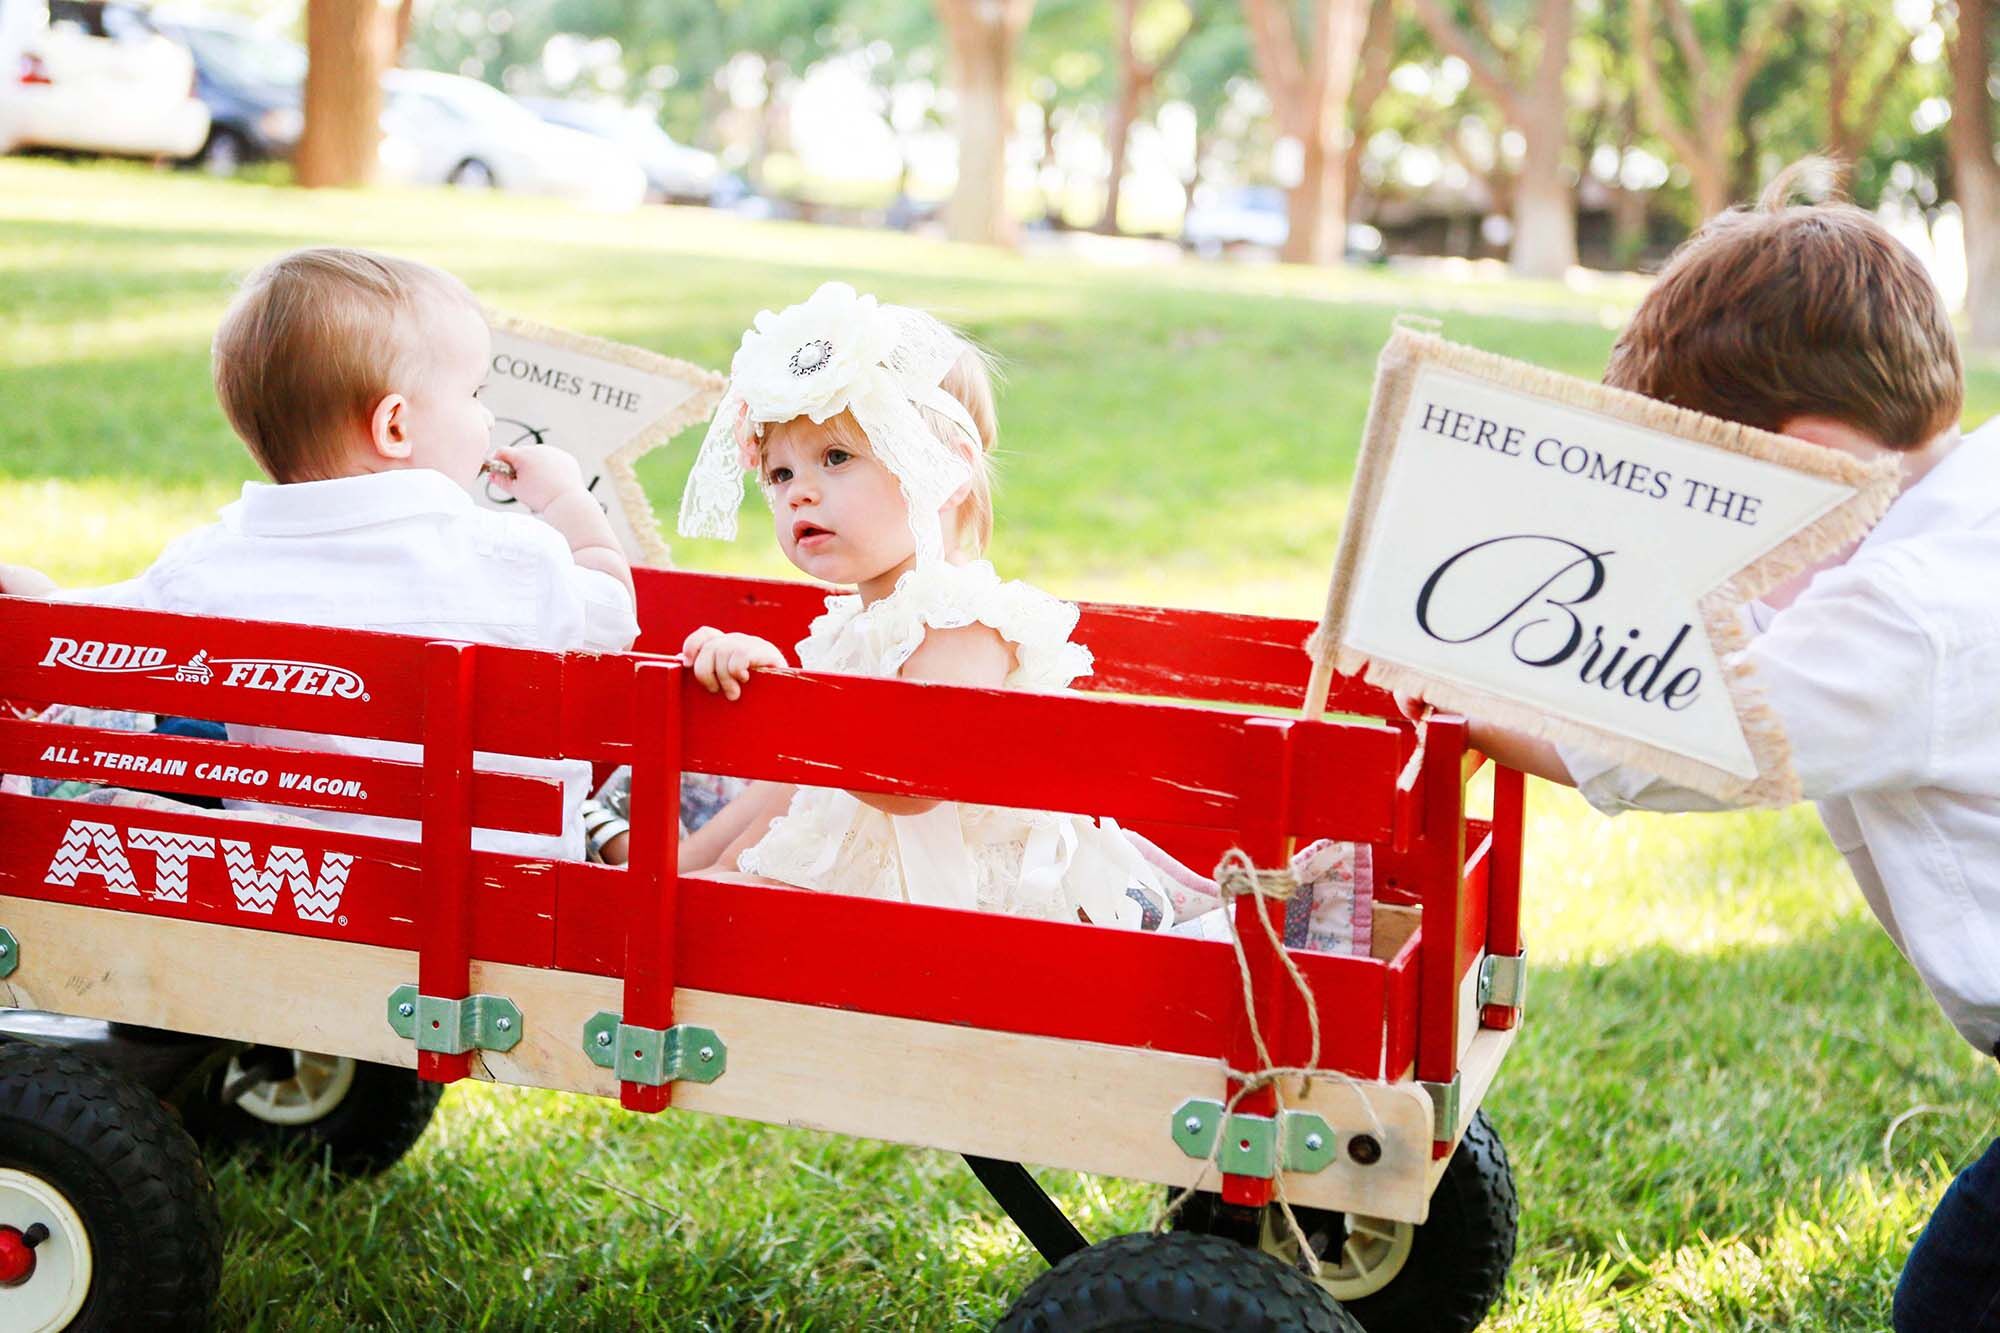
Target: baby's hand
[20,581]
[542,474]
[724,661]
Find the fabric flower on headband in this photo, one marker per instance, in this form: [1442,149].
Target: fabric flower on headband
[838,352]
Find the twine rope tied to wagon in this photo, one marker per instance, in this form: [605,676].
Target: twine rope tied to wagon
[1236,876]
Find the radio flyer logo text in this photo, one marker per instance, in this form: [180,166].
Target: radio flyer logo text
[249,673]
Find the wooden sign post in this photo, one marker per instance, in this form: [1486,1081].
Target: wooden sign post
[1572,560]
[602,401]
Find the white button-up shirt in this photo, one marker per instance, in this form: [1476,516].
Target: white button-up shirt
[1886,676]
[404,551]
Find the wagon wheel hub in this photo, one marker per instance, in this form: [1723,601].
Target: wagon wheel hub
[17,1253]
[45,1254]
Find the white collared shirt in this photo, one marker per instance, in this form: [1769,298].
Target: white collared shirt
[1886,676]
[404,551]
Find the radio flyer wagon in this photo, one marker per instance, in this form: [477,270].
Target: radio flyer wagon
[282,978]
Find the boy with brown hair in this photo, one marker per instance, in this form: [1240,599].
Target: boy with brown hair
[1882,662]
[353,379]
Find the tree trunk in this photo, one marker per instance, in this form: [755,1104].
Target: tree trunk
[1544,243]
[766,134]
[1123,111]
[1544,211]
[1310,91]
[982,35]
[1628,207]
[1840,140]
[349,43]
[1317,206]
[1378,50]
[1975,174]
[1048,181]
[1193,181]
[1117,137]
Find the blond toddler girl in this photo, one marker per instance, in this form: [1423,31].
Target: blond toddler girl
[869,427]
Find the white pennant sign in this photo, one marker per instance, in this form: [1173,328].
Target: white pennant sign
[1572,560]
[602,401]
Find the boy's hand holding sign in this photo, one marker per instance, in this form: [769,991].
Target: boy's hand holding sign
[603,403]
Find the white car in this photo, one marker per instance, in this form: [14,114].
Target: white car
[1256,217]
[444,129]
[96,77]
[675,172]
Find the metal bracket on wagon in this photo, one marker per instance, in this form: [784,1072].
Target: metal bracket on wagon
[653,1056]
[1253,1145]
[10,953]
[452,1027]
[1503,980]
[1445,1102]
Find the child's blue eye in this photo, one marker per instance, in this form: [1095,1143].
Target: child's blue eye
[779,476]
[835,457]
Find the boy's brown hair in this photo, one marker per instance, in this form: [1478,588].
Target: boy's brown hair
[1788,310]
[313,341]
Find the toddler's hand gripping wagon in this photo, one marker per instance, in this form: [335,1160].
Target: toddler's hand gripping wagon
[279,979]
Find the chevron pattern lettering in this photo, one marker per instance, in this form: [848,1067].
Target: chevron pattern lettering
[170,870]
[92,849]
[314,899]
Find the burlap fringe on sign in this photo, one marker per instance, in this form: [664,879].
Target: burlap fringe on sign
[1875,487]
[1236,877]
[706,388]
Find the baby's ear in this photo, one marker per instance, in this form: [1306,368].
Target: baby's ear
[388,427]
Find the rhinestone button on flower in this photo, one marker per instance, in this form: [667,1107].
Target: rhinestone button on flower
[812,356]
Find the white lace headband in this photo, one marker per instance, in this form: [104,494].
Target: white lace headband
[839,351]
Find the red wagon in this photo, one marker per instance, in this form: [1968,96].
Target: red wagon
[283,979]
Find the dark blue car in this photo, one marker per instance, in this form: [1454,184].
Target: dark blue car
[252,84]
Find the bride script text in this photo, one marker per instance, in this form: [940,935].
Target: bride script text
[1527,587]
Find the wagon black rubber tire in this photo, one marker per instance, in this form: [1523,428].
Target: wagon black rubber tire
[1180,1282]
[119,1158]
[1460,1255]
[1457,1264]
[383,1114]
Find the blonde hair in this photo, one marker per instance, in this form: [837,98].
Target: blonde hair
[970,381]
[312,342]
[1788,310]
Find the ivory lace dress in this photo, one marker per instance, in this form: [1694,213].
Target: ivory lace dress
[1023,862]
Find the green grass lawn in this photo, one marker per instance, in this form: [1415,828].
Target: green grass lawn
[1731,1106]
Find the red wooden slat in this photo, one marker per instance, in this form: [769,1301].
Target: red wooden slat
[1164,653]
[345,681]
[542,704]
[384,787]
[672,603]
[1212,655]
[1078,982]
[1344,780]
[1440,851]
[652,875]
[444,951]
[1400,991]
[367,890]
[1503,930]
[1137,762]
[1257,920]
[973,969]
[1473,891]
[305,677]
